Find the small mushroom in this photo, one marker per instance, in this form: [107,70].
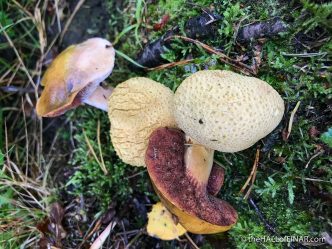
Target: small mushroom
[74,78]
[137,107]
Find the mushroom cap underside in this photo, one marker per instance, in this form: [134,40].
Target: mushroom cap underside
[196,210]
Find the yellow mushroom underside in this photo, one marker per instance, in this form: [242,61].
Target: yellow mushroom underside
[162,225]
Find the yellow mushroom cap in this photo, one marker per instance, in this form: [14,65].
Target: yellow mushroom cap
[74,75]
[137,107]
[226,111]
[162,225]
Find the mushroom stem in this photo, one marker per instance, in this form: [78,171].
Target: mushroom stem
[99,98]
[198,161]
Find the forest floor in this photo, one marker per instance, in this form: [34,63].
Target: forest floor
[53,190]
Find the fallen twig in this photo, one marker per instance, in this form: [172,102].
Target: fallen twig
[201,27]
[98,243]
[267,225]
[252,176]
[239,66]
[170,65]
[70,19]
[135,238]
[191,241]
[291,119]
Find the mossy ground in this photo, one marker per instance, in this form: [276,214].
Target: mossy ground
[293,184]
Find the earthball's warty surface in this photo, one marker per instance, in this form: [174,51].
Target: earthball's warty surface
[137,107]
[226,111]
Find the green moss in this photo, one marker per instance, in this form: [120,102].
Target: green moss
[280,188]
[286,175]
[89,178]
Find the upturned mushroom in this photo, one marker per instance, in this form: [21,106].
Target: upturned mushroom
[218,110]
[74,78]
[180,174]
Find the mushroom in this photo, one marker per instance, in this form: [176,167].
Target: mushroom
[137,107]
[74,78]
[180,174]
[217,110]
[163,225]
[226,111]
[216,180]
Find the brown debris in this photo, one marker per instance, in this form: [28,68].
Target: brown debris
[160,25]
[51,228]
[252,177]
[313,132]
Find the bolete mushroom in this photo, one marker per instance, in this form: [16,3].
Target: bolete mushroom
[137,107]
[226,111]
[218,110]
[164,225]
[180,174]
[74,78]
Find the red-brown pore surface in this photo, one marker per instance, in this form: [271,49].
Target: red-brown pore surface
[216,180]
[165,163]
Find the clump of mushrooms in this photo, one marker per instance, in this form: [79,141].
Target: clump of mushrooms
[218,110]
[140,107]
[173,135]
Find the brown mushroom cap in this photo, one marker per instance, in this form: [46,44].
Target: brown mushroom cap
[137,107]
[74,75]
[183,188]
[226,111]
